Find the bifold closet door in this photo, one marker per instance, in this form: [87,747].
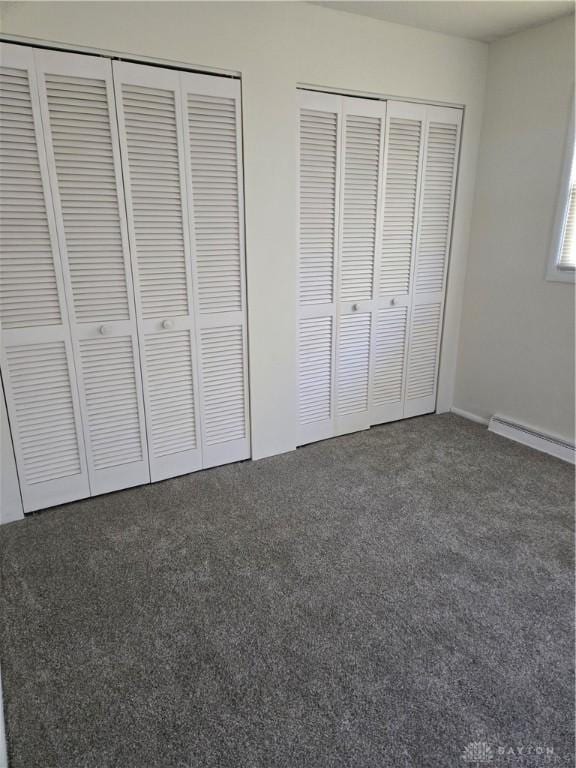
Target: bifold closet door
[180,137]
[363,125]
[341,146]
[152,140]
[376,197]
[213,150]
[77,104]
[320,119]
[440,162]
[420,164]
[36,351]
[403,153]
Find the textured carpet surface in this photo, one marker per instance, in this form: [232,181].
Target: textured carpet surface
[377,600]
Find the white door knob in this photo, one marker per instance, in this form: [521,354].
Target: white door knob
[104,330]
[354,307]
[392,301]
[167,324]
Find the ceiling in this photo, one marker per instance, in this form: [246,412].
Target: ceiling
[484,20]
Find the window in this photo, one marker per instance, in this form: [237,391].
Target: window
[562,264]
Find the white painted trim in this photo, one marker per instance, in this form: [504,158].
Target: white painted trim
[376,96]
[3,744]
[470,416]
[37,42]
[554,445]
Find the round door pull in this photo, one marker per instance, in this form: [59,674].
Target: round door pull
[168,324]
[104,330]
[392,301]
[355,307]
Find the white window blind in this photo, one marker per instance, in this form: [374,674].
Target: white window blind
[562,259]
[567,250]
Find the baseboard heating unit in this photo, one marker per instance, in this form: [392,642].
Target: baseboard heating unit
[551,444]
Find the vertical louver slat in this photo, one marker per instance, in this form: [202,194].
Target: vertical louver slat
[213,137]
[28,288]
[83,155]
[435,212]
[423,351]
[153,158]
[170,393]
[110,392]
[361,169]
[353,363]
[390,343]
[318,164]
[315,369]
[41,395]
[403,158]
[224,412]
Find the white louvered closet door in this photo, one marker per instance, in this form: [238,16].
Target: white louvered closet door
[152,141]
[319,189]
[213,152]
[78,112]
[36,352]
[440,161]
[403,151]
[363,124]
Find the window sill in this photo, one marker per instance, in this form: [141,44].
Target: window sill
[555,275]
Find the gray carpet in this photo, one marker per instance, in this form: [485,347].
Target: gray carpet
[377,600]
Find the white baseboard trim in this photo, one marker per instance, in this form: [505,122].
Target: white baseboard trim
[534,438]
[469,416]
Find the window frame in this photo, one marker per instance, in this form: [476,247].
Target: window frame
[554,272]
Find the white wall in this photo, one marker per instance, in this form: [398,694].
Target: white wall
[275,46]
[516,353]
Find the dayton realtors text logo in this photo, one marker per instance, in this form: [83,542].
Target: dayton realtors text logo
[479,753]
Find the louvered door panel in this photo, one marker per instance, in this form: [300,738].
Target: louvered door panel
[111,401]
[387,398]
[213,160]
[154,165]
[35,349]
[360,204]
[47,425]
[29,293]
[436,208]
[403,147]
[84,159]
[358,257]
[152,144]
[223,382]
[319,165]
[353,364]
[315,370]
[442,137]
[172,408]
[213,141]
[77,102]
[424,338]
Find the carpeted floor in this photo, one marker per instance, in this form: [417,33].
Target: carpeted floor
[373,601]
